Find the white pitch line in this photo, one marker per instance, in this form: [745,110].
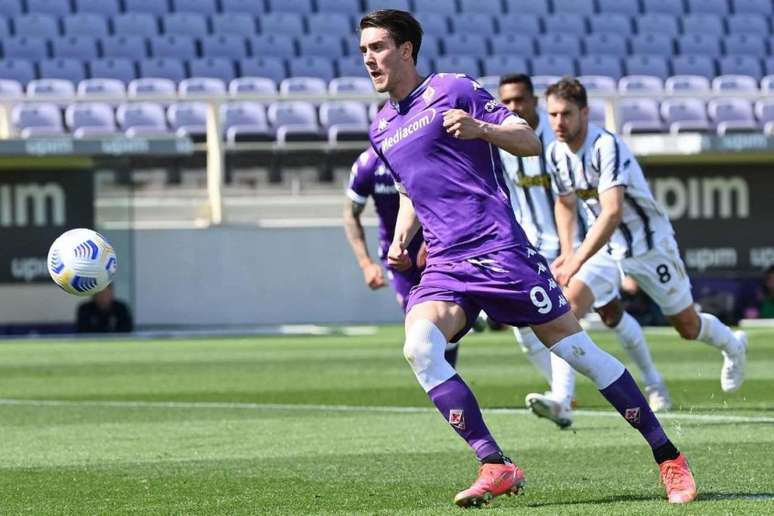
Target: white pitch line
[717,418]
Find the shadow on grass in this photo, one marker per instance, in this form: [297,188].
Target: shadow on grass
[601,500]
[714,496]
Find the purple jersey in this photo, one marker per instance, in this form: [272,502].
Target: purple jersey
[457,186]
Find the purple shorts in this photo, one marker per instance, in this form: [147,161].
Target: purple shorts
[403,282]
[513,286]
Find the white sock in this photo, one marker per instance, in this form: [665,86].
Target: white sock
[424,348]
[538,355]
[629,333]
[588,359]
[717,334]
[563,384]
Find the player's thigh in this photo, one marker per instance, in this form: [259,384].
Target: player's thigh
[661,274]
[449,317]
[557,329]
[601,277]
[580,297]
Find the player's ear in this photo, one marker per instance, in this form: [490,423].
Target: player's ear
[406,50]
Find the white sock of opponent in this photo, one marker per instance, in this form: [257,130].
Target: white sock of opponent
[717,334]
[538,355]
[629,333]
[588,359]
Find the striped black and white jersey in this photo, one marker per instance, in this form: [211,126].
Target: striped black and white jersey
[604,161]
[532,197]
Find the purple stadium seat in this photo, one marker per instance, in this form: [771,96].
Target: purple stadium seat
[447,7]
[206,7]
[687,83]
[434,24]
[50,88]
[243,6]
[329,23]
[78,47]
[693,65]
[10,88]
[350,86]
[574,7]
[90,119]
[344,120]
[702,23]
[597,108]
[493,7]
[651,44]
[146,86]
[135,24]
[542,82]
[5,28]
[270,67]
[718,7]
[482,24]
[559,44]
[303,86]
[272,45]
[748,24]
[662,6]
[129,47]
[605,44]
[598,83]
[290,6]
[154,7]
[298,115]
[744,45]
[526,24]
[767,84]
[768,65]
[233,24]
[103,7]
[93,25]
[763,7]
[22,47]
[39,119]
[261,85]
[526,7]
[560,65]
[732,115]
[245,121]
[565,24]
[490,83]
[311,66]
[657,23]
[48,7]
[641,83]
[185,24]
[503,64]
[352,66]
[699,44]
[512,43]
[290,24]
[188,119]
[616,24]
[764,112]
[323,45]
[224,45]
[20,70]
[656,66]
[163,68]
[431,46]
[65,68]
[339,6]
[373,5]
[609,66]
[458,64]
[639,116]
[11,7]
[101,87]
[685,115]
[731,83]
[624,7]
[218,67]
[201,86]
[141,118]
[173,45]
[465,45]
[740,65]
[119,68]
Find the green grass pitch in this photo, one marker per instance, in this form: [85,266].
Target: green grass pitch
[323,425]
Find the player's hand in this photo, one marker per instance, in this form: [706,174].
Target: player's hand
[564,271]
[398,258]
[461,125]
[373,275]
[422,256]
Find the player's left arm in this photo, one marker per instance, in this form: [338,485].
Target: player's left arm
[406,227]
[611,201]
[512,135]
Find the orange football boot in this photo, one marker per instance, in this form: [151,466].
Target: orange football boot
[493,480]
[678,480]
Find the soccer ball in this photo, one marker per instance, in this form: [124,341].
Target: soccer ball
[82,262]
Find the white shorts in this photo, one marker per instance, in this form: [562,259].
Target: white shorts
[603,277]
[661,274]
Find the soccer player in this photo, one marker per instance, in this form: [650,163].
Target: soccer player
[533,203]
[594,167]
[369,178]
[439,137]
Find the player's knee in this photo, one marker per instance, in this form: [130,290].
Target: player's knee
[610,314]
[688,329]
[418,347]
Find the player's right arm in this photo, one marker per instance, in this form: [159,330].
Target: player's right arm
[372,272]
[406,227]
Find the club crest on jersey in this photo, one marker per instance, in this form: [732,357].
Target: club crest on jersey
[457,418]
[382,124]
[428,95]
[490,106]
[632,415]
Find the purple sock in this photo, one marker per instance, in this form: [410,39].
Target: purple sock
[459,407]
[627,399]
[451,356]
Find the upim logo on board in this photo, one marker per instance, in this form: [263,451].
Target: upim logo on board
[703,198]
[32,204]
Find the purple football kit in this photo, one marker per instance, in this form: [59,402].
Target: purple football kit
[370,178]
[478,256]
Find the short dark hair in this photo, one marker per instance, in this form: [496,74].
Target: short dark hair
[518,78]
[401,25]
[569,88]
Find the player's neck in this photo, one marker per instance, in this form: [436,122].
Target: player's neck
[576,144]
[533,121]
[404,89]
